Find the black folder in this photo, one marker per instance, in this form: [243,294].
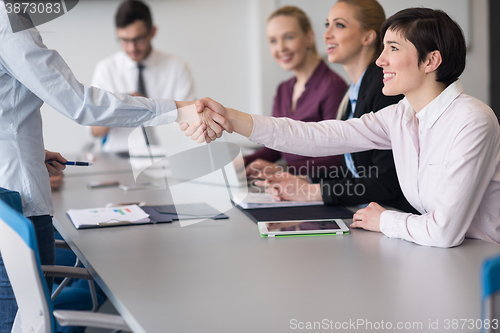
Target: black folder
[317,212]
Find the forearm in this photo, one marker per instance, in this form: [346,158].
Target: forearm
[51,80]
[242,122]
[325,138]
[186,112]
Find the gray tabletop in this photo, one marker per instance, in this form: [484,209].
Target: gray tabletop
[109,163]
[221,276]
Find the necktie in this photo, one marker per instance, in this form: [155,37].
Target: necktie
[349,162]
[141,88]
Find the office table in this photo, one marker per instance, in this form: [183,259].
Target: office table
[105,163]
[221,276]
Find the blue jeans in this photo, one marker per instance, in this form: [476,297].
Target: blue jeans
[46,246]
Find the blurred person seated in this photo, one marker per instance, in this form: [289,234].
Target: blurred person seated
[139,70]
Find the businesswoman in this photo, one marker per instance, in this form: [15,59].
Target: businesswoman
[446,144]
[352,38]
[312,94]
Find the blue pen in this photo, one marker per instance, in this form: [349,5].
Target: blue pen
[73,163]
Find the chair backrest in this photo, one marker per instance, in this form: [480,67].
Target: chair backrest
[19,251]
[491,294]
[11,198]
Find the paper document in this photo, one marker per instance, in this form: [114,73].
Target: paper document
[265,200]
[100,217]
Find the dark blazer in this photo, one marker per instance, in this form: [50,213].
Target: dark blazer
[378,182]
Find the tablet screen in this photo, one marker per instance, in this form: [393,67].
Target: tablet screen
[303,225]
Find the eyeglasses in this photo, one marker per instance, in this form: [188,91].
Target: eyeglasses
[137,41]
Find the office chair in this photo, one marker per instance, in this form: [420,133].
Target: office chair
[19,250]
[491,295]
[71,298]
[11,198]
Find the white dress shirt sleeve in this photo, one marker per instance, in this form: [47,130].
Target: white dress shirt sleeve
[45,73]
[325,138]
[98,81]
[463,181]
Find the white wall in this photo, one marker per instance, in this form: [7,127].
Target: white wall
[225,44]
[476,77]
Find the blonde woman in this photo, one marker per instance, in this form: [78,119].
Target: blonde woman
[312,94]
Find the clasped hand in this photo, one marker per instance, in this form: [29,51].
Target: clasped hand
[210,124]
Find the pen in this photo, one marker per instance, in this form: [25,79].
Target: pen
[73,163]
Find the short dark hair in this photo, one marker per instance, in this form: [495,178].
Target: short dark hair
[131,11]
[432,30]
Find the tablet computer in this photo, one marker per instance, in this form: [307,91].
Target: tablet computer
[302,228]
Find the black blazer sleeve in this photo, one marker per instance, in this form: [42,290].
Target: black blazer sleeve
[378,180]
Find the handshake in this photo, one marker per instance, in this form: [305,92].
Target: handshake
[206,120]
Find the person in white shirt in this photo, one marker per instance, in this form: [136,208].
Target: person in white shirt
[164,76]
[31,74]
[446,144]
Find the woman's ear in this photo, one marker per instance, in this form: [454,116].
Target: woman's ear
[369,37]
[432,61]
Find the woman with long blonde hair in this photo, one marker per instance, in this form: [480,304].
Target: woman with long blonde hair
[312,94]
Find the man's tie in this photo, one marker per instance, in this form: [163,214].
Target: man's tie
[141,88]
[345,105]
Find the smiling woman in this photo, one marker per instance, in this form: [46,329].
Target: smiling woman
[409,43]
[446,144]
[312,94]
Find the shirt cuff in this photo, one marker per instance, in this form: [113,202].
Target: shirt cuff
[166,112]
[261,132]
[387,223]
[391,221]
